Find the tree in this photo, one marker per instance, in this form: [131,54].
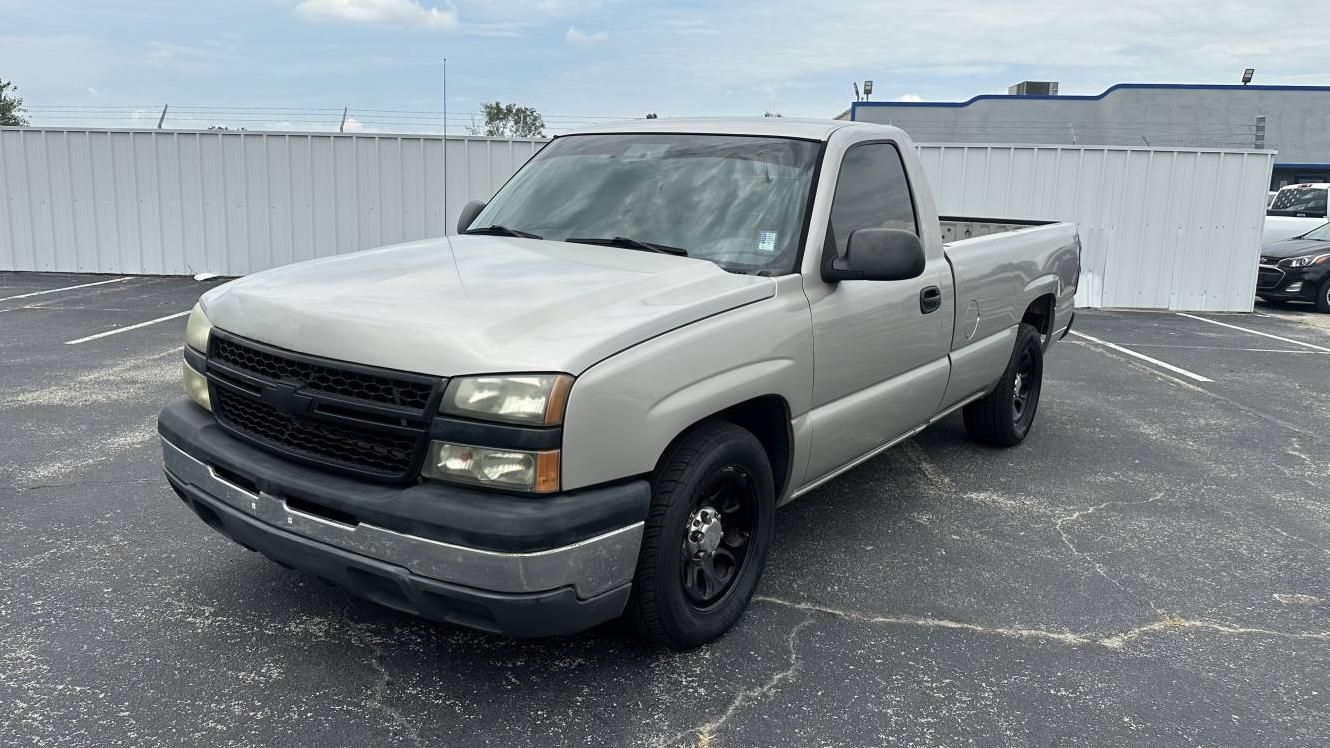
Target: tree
[770,113]
[510,121]
[11,106]
[652,115]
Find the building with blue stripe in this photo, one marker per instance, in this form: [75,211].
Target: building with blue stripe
[1295,120]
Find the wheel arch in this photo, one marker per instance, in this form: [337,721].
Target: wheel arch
[1040,314]
[766,417]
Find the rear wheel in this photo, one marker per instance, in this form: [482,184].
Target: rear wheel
[706,538]
[1004,417]
[1323,297]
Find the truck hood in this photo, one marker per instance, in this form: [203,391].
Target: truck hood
[478,304]
[1294,248]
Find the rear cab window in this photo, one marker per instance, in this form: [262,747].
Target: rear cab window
[1299,201]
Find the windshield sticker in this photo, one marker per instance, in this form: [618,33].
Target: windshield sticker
[766,241]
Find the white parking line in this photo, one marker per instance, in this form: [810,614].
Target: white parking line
[66,288]
[1143,357]
[119,330]
[1313,346]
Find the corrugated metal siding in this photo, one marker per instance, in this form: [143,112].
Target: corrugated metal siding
[108,201]
[1161,228]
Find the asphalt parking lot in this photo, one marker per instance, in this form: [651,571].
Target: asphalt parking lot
[1152,566]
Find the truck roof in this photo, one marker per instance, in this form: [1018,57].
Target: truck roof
[786,127]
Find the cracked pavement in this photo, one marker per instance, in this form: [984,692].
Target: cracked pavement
[1150,567]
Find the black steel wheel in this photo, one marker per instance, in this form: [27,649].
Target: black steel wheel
[1005,415]
[715,543]
[706,538]
[1025,387]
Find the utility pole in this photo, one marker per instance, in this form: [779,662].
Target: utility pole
[162,118]
[342,127]
[445,145]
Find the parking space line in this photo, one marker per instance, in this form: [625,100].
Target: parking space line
[1227,348]
[119,330]
[66,288]
[1255,332]
[1143,357]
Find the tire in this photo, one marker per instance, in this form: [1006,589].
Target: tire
[1004,417]
[1323,297]
[675,602]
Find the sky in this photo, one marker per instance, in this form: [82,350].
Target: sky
[296,63]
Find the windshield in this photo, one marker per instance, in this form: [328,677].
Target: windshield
[1320,233]
[737,201]
[1299,201]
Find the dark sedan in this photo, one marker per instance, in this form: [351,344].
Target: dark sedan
[1297,269]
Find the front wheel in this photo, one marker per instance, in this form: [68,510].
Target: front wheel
[1323,297]
[706,537]
[1004,417]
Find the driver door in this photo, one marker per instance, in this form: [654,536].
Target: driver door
[880,354]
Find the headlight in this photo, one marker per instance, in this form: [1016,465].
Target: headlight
[198,329]
[528,399]
[196,386]
[537,472]
[1302,262]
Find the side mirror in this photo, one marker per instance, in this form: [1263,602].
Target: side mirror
[878,254]
[469,213]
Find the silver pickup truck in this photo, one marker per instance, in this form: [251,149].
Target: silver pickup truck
[589,403]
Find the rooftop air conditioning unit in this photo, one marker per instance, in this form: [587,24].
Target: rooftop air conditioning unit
[1034,88]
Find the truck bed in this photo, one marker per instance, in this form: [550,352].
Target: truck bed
[955,229]
[999,265]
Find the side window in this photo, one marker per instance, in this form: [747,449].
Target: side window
[871,192]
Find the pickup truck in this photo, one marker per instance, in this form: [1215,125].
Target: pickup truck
[590,401]
[1294,210]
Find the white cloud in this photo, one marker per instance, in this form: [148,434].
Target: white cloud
[577,36]
[95,91]
[380,12]
[691,26]
[909,97]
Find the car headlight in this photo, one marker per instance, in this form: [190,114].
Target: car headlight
[527,399]
[198,329]
[1309,260]
[536,472]
[196,386]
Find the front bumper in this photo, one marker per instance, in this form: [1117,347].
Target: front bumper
[1290,284]
[532,580]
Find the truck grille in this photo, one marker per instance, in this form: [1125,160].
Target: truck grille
[331,379]
[1267,278]
[367,421]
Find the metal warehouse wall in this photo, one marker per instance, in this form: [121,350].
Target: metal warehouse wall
[173,202]
[1160,228]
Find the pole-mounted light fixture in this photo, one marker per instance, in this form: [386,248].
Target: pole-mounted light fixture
[1247,75]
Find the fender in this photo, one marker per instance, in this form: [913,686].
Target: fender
[624,411]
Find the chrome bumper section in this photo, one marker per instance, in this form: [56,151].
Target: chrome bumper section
[591,567]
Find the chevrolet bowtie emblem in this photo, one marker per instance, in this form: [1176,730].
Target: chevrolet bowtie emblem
[285,398]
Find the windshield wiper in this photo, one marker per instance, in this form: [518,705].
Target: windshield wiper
[497,230]
[630,243]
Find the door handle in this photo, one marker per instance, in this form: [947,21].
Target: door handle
[930,299]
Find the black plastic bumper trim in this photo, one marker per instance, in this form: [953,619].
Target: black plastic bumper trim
[451,514]
[551,613]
